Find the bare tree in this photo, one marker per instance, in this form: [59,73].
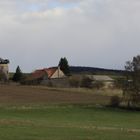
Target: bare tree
[131,87]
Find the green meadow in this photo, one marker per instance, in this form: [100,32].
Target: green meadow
[68,122]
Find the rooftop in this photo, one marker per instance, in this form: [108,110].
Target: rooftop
[41,73]
[100,77]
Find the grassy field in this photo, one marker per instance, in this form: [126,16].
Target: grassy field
[38,113]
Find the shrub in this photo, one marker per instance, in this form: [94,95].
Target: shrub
[118,83]
[115,101]
[86,82]
[98,84]
[74,81]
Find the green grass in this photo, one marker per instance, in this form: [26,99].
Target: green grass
[68,122]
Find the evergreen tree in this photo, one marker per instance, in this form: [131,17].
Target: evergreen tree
[64,66]
[18,75]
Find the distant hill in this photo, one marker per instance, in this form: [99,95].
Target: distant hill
[94,70]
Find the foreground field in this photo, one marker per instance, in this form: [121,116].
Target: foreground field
[68,122]
[37,113]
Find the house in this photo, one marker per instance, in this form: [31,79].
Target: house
[4,69]
[107,80]
[38,75]
[55,73]
[103,78]
[44,74]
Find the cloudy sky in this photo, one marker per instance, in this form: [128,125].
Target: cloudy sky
[99,33]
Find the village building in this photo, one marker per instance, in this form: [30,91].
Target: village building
[4,69]
[55,73]
[107,80]
[46,74]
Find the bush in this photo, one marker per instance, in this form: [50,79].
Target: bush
[118,83]
[98,84]
[74,81]
[115,101]
[86,82]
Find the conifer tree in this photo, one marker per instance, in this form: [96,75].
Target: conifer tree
[17,77]
[64,66]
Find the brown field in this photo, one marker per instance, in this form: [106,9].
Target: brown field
[13,94]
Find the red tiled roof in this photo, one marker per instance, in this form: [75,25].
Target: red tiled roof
[50,71]
[37,74]
[42,72]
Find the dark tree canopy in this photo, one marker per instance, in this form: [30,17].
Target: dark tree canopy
[64,66]
[86,82]
[4,61]
[17,77]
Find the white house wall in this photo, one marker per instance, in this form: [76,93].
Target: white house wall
[58,74]
[4,69]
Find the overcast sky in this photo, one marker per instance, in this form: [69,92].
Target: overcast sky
[99,33]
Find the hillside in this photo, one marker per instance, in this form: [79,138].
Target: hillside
[94,70]
[88,70]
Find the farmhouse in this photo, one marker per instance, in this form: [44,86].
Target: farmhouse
[107,80]
[4,69]
[55,73]
[46,74]
[103,78]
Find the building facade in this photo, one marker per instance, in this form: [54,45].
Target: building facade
[4,69]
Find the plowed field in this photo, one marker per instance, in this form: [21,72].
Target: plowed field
[10,94]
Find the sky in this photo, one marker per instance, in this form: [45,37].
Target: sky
[98,33]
